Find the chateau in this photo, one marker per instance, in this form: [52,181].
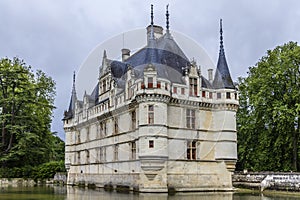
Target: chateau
[154,123]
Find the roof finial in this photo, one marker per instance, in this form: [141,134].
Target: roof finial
[151,15]
[167,16]
[151,30]
[74,75]
[221,35]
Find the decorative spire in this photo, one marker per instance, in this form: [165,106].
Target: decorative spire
[221,37]
[167,17]
[74,76]
[71,111]
[222,77]
[152,31]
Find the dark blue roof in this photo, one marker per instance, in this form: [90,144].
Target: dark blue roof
[161,52]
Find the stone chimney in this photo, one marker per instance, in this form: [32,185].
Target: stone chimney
[125,54]
[158,31]
[210,75]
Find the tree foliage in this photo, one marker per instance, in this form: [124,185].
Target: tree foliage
[26,104]
[269,115]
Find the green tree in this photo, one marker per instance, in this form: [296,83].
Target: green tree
[269,115]
[26,102]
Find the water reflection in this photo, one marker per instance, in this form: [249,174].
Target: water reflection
[74,193]
[84,194]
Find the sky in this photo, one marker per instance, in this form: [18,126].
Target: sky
[58,37]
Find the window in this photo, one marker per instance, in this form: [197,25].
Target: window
[78,157]
[133,150]
[151,114]
[143,85]
[103,128]
[102,154]
[104,85]
[193,86]
[210,95]
[87,134]
[203,94]
[158,84]
[218,95]
[116,125]
[150,82]
[190,118]
[166,86]
[116,156]
[182,91]
[191,151]
[133,120]
[87,154]
[151,143]
[235,96]
[228,95]
[78,136]
[175,90]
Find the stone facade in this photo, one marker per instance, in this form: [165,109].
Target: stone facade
[154,122]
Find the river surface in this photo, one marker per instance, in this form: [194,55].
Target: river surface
[74,193]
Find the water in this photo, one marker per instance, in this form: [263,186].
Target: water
[73,193]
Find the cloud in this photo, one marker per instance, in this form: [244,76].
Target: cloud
[57,36]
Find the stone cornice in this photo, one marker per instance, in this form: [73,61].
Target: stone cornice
[141,98]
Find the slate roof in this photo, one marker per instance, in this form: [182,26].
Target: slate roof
[163,53]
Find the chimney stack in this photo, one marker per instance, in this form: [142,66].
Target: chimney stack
[125,54]
[210,75]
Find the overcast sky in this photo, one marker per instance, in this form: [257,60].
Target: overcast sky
[58,36]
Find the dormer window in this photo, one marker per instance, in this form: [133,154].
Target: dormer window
[150,82]
[193,87]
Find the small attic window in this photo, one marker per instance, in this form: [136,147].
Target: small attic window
[150,82]
[158,84]
[175,90]
[203,94]
[218,95]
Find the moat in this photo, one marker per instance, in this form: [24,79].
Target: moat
[68,193]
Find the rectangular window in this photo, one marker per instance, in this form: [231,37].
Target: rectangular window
[193,87]
[151,114]
[151,143]
[190,118]
[116,152]
[133,120]
[104,86]
[210,95]
[78,157]
[166,86]
[116,125]
[228,95]
[235,96]
[78,136]
[150,82]
[191,151]
[218,95]
[175,90]
[87,154]
[102,154]
[133,150]
[158,84]
[203,94]
[182,91]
